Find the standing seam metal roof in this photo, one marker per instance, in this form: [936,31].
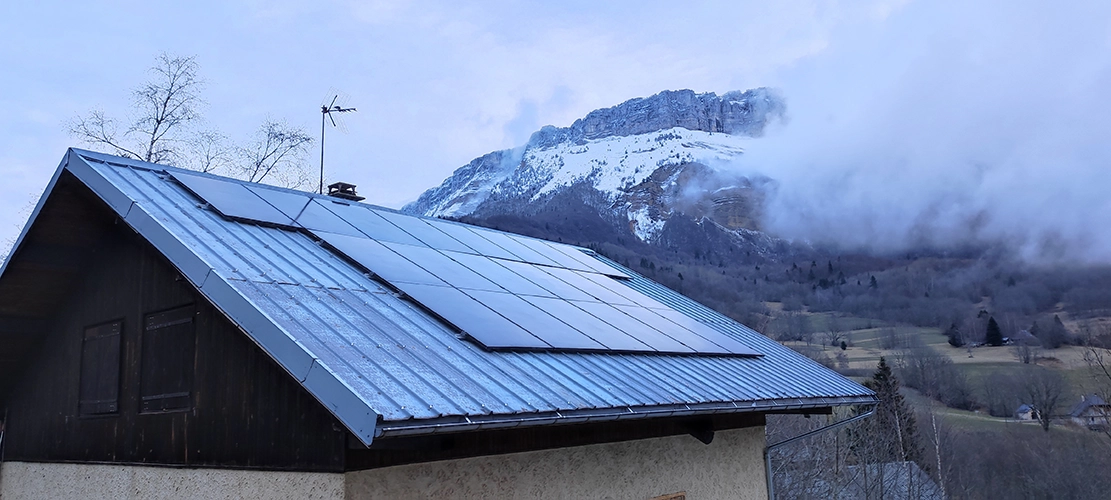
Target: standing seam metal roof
[384,366]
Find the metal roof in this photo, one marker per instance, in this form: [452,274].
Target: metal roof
[384,366]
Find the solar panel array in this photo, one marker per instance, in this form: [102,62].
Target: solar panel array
[503,291]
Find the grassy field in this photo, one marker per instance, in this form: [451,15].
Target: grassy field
[866,340]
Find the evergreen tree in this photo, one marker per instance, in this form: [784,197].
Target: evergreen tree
[994,335]
[891,434]
[873,283]
[955,337]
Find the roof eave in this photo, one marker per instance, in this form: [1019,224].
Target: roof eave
[454,424]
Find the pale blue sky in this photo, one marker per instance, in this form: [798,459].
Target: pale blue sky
[439,83]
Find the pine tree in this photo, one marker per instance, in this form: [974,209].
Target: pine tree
[954,334]
[994,335]
[891,434]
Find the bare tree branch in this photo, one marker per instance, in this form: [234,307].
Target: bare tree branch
[276,154]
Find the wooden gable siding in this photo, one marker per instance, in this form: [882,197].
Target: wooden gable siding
[245,410]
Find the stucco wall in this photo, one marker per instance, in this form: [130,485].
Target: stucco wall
[732,466]
[20,480]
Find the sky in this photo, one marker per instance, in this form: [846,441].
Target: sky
[908,121]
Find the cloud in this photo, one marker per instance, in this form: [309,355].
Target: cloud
[950,124]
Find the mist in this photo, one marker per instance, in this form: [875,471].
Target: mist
[945,124]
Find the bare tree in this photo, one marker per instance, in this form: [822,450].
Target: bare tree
[275,155]
[1042,389]
[164,108]
[834,333]
[1026,351]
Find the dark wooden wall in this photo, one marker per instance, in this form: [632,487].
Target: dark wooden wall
[246,412]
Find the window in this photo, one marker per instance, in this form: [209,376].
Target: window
[99,392]
[168,346]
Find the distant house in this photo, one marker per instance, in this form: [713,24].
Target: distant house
[1026,412]
[164,332]
[1091,412]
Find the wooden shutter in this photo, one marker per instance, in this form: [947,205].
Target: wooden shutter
[100,370]
[168,345]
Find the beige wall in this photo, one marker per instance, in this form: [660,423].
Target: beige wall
[19,480]
[732,466]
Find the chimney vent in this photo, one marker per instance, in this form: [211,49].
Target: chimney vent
[344,190]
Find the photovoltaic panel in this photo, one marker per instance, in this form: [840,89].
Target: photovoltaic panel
[472,239]
[231,199]
[492,270]
[380,260]
[627,323]
[596,329]
[556,286]
[369,223]
[706,332]
[591,263]
[424,232]
[435,262]
[631,296]
[289,203]
[540,247]
[318,218]
[523,253]
[476,320]
[672,330]
[576,279]
[533,319]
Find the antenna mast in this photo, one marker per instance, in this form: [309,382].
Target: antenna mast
[326,113]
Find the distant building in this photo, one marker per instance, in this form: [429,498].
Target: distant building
[1092,412]
[166,332]
[1026,412]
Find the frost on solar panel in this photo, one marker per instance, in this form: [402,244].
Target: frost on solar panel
[231,199]
[602,332]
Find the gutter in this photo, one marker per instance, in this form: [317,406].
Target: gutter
[484,422]
[769,448]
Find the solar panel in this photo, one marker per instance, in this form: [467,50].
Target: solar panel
[591,264]
[370,223]
[382,261]
[492,270]
[504,291]
[289,203]
[489,328]
[672,330]
[706,332]
[556,286]
[424,232]
[522,252]
[435,262]
[579,319]
[541,324]
[318,218]
[472,239]
[231,199]
[622,321]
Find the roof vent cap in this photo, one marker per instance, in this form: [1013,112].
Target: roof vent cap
[344,190]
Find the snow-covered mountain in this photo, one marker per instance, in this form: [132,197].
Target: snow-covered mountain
[638,164]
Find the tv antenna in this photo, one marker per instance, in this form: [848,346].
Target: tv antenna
[326,115]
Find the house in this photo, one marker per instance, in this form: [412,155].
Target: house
[1026,412]
[169,332]
[1091,412]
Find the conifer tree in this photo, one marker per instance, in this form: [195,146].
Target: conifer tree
[994,335]
[891,433]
